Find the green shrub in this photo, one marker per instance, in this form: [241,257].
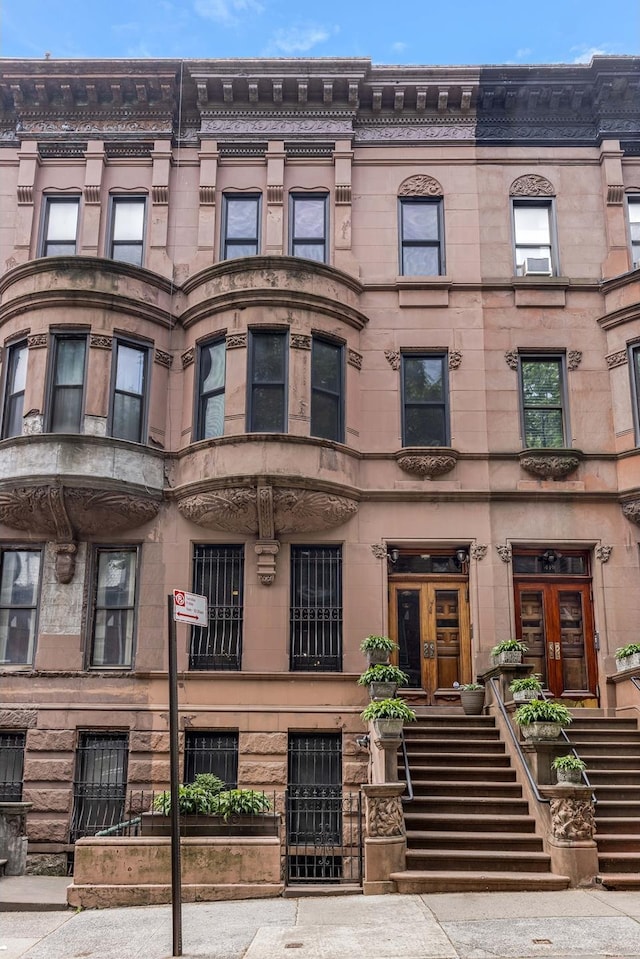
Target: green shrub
[383,643]
[542,711]
[623,651]
[509,646]
[388,709]
[527,682]
[569,762]
[471,687]
[198,797]
[241,802]
[383,673]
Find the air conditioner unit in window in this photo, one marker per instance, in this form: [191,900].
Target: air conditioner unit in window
[537,266]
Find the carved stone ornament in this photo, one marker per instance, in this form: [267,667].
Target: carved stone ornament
[574,359]
[455,359]
[420,185]
[100,342]
[478,551]
[384,817]
[266,552]
[511,359]
[615,194]
[236,341]
[160,194]
[532,185]
[65,565]
[92,193]
[207,195]
[620,358]
[572,820]
[265,512]
[632,511]
[188,357]
[18,717]
[236,509]
[354,359]
[427,462]
[603,553]
[393,358]
[379,550]
[504,552]
[550,464]
[63,513]
[163,359]
[300,341]
[37,341]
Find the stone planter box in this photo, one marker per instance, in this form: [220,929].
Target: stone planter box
[570,777]
[526,695]
[542,731]
[388,728]
[382,690]
[508,657]
[628,662]
[375,657]
[266,824]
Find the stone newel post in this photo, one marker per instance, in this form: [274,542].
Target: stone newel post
[13,836]
[571,844]
[385,844]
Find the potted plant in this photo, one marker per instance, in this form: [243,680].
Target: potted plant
[526,688]
[628,657]
[508,651]
[472,698]
[382,680]
[377,649]
[569,769]
[542,719]
[388,717]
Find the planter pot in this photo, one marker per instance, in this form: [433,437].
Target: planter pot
[628,662]
[542,730]
[388,728]
[511,656]
[379,690]
[569,777]
[377,656]
[526,695]
[260,824]
[472,701]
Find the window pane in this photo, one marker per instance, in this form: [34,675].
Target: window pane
[60,249]
[127,417]
[268,409]
[308,219]
[541,383]
[419,221]
[113,637]
[69,363]
[218,574]
[116,578]
[17,633]
[316,608]
[423,378]
[20,576]
[215,753]
[127,253]
[420,261]
[212,369]
[62,220]
[128,219]
[19,356]
[310,251]
[242,218]
[213,416]
[325,417]
[326,366]
[66,415]
[425,426]
[543,428]
[634,211]
[268,357]
[130,371]
[532,225]
[241,249]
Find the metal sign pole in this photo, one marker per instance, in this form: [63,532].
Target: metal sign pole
[176,884]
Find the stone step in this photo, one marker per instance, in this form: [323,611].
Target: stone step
[417,881]
[428,773]
[619,862]
[620,880]
[628,736]
[616,825]
[610,722]
[474,860]
[599,759]
[482,805]
[458,759]
[617,791]
[467,822]
[605,777]
[430,718]
[418,731]
[611,808]
[476,790]
[516,841]
[618,843]
[438,746]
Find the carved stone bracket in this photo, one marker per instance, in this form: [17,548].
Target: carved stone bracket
[37,341]
[207,195]
[427,462]
[620,358]
[379,550]
[354,359]
[550,464]
[615,194]
[188,357]
[455,359]
[384,815]
[504,552]
[631,510]
[393,358]
[266,551]
[572,820]
[160,194]
[511,359]
[100,342]
[603,553]
[163,359]
[478,551]
[574,359]
[65,565]
[242,509]
[275,193]
[92,193]
[236,341]
[25,194]
[342,194]
[300,341]
[532,185]
[420,185]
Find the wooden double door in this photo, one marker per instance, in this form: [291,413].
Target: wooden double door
[429,619]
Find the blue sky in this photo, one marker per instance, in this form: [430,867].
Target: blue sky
[460,32]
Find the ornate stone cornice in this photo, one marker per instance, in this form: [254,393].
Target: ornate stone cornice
[37,341]
[550,463]
[99,341]
[427,462]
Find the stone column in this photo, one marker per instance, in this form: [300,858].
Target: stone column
[385,844]
[571,845]
[13,836]
[27,174]
[276,155]
[89,238]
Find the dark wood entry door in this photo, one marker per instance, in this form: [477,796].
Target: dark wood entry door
[430,622]
[556,622]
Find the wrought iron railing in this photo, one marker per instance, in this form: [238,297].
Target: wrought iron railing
[11,766]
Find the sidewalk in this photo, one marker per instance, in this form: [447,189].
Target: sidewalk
[587,924]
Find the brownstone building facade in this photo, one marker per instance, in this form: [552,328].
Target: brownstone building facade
[348,349]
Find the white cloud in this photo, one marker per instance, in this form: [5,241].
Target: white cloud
[585,54]
[299,39]
[523,52]
[226,11]
[399,46]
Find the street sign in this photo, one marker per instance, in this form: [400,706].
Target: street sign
[190,608]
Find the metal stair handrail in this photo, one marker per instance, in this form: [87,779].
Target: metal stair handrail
[516,741]
[408,797]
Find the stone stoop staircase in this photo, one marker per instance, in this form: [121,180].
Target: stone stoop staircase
[611,749]
[468,827]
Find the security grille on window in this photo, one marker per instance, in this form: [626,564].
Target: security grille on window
[100,783]
[114,615]
[14,390]
[314,807]
[543,404]
[241,225]
[129,394]
[211,752]
[633,205]
[11,766]
[316,608]
[268,379]
[327,378]
[308,226]
[67,384]
[127,229]
[421,247]
[425,413]
[19,590]
[218,574]
[532,231]
[60,226]
[211,376]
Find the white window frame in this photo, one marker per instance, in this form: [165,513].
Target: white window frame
[46,241]
[126,199]
[519,262]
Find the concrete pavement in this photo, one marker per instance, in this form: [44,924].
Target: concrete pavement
[591,924]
